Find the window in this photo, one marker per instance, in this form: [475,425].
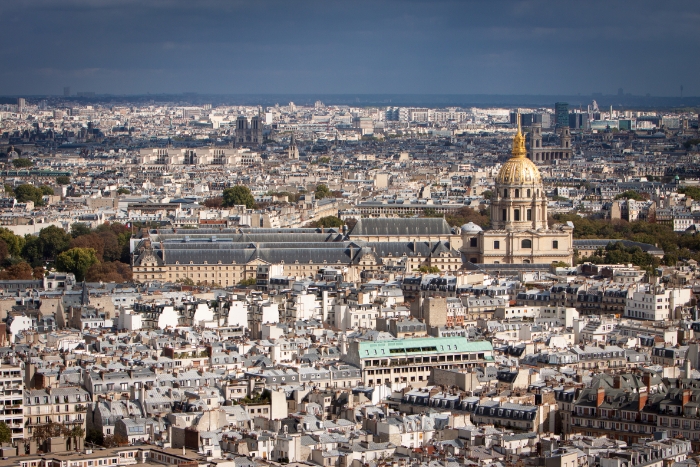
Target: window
[528,192]
[516,215]
[555,244]
[528,213]
[504,215]
[472,242]
[505,193]
[527,243]
[496,245]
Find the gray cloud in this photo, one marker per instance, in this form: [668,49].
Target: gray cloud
[393,46]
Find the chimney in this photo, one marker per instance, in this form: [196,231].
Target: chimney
[601,396]
[646,379]
[642,400]
[617,382]
[686,396]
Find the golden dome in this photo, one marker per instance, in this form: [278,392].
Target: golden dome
[519,170]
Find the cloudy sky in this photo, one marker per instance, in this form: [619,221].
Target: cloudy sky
[351,46]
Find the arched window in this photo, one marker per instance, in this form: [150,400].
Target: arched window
[517,193]
[527,243]
[526,261]
[516,215]
[528,193]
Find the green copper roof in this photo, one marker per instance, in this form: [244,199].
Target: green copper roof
[422,346]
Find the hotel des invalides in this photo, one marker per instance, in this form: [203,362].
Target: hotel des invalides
[520,239]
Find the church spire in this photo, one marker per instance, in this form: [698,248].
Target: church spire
[519,142]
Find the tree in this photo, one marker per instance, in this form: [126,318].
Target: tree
[32,251]
[322,191]
[95,436]
[113,441]
[77,261]
[112,248]
[124,191]
[5,433]
[247,282]
[215,202]
[20,271]
[91,240]
[429,269]
[22,163]
[4,251]
[465,214]
[328,221]
[46,190]
[77,229]
[14,243]
[237,196]
[38,273]
[109,272]
[690,192]
[52,429]
[54,240]
[63,180]
[488,194]
[632,194]
[27,192]
[185,281]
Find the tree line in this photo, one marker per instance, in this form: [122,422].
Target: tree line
[99,254]
[677,246]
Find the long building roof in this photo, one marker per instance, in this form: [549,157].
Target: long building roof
[422,345]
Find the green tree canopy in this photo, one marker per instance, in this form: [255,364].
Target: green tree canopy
[5,433]
[22,163]
[63,180]
[15,243]
[690,192]
[46,190]
[54,240]
[27,192]
[328,221]
[429,269]
[124,191]
[237,196]
[77,229]
[631,194]
[322,191]
[77,261]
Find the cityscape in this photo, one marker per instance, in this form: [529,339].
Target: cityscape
[323,264]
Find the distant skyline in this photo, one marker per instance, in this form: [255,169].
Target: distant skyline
[529,47]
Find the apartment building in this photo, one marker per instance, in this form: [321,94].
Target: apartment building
[410,361]
[62,405]
[11,407]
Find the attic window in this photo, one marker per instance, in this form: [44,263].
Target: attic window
[191,262]
[219,262]
[177,262]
